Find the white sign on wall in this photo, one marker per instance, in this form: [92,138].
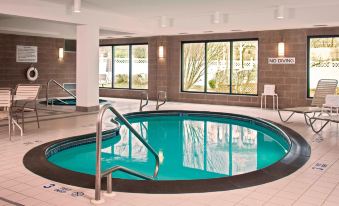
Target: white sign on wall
[281,60]
[27,54]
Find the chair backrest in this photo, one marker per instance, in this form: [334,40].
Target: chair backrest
[27,91]
[269,89]
[5,97]
[332,101]
[325,87]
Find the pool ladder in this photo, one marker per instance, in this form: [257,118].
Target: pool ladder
[59,85]
[161,96]
[108,173]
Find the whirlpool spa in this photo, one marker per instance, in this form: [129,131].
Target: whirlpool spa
[198,152]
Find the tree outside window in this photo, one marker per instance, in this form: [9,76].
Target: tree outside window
[323,61]
[207,67]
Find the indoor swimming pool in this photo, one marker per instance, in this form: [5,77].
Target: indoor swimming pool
[192,147]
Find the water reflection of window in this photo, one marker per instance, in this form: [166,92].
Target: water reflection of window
[129,146]
[244,150]
[121,148]
[193,140]
[139,151]
[217,148]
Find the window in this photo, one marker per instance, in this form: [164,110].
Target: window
[139,66]
[123,66]
[229,67]
[323,61]
[105,66]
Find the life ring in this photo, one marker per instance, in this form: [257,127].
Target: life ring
[32,74]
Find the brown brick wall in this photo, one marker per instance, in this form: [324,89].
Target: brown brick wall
[290,80]
[164,74]
[48,65]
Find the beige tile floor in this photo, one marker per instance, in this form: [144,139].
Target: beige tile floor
[307,186]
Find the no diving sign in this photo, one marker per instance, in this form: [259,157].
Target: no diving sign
[281,60]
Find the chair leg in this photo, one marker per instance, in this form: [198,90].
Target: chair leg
[285,120]
[261,101]
[273,102]
[37,115]
[321,128]
[23,119]
[10,127]
[277,102]
[265,101]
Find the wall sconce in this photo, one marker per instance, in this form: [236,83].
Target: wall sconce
[281,49]
[61,54]
[161,52]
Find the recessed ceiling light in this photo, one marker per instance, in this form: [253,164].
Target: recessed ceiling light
[77,6]
[280,12]
[320,25]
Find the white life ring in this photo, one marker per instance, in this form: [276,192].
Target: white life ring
[32,74]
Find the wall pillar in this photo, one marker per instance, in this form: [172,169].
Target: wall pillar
[87,63]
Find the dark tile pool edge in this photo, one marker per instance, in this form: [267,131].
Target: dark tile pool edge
[300,151]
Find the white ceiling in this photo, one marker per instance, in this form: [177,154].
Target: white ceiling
[119,18]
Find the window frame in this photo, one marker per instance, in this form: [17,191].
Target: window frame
[231,66]
[308,58]
[129,65]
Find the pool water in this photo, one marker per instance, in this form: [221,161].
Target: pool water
[189,147]
[66,102]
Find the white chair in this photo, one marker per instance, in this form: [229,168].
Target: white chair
[269,90]
[331,104]
[5,104]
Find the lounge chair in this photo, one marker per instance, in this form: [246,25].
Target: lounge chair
[25,94]
[6,113]
[325,87]
[326,119]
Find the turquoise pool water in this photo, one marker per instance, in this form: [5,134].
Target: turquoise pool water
[66,102]
[189,147]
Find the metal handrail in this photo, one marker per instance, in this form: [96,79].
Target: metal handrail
[158,98]
[59,85]
[108,173]
[141,99]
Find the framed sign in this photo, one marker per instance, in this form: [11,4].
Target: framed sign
[281,60]
[27,54]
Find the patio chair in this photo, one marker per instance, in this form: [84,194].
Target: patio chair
[25,94]
[324,87]
[331,105]
[5,104]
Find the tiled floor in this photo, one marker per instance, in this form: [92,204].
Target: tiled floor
[307,186]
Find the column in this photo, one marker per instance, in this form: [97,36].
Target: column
[87,63]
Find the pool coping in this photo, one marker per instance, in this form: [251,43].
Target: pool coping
[35,160]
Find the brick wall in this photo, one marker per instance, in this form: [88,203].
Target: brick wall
[48,65]
[290,80]
[164,74]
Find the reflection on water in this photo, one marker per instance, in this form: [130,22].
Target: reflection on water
[207,146]
[189,147]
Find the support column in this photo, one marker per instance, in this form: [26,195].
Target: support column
[87,63]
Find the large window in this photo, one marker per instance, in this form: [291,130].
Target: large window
[105,66]
[323,61]
[229,67]
[124,66]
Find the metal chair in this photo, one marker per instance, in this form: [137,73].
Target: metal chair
[25,94]
[5,104]
[325,87]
